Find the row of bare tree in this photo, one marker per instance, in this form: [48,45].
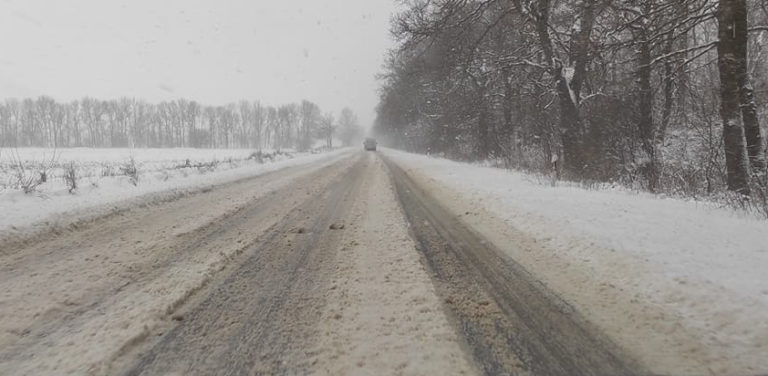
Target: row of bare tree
[668,95]
[130,122]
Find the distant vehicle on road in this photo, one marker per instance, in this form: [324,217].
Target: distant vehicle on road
[370,144]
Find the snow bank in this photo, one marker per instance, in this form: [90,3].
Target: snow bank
[702,265]
[102,187]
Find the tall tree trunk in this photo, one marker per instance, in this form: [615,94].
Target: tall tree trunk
[755,142]
[645,106]
[669,86]
[755,146]
[732,32]
[570,127]
[580,43]
[483,134]
[509,97]
[569,80]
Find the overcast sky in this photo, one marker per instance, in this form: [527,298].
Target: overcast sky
[212,51]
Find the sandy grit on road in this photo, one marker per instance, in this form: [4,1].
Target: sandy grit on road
[383,315]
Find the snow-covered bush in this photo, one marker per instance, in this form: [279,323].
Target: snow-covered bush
[28,182]
[70,176]
[29,175]
[130,170]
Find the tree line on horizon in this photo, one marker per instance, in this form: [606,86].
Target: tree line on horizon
[129,122]
[668,96]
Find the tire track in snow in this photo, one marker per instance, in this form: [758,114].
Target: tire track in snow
[512,323]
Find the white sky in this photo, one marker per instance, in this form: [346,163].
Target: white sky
[215,52]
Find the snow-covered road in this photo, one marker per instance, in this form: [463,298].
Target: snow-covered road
[314,268]
[246,277]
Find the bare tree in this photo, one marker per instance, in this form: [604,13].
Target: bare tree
[257,124]
[327,128]
[619,90]
[180,123]
[309,118]
[349,127]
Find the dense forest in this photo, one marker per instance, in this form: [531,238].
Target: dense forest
[128,122]
[662,95]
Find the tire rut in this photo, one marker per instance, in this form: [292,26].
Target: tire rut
[511,322]
[259,317]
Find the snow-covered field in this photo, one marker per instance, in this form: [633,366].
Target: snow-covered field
[105,178]
[88,155]
[637,263]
